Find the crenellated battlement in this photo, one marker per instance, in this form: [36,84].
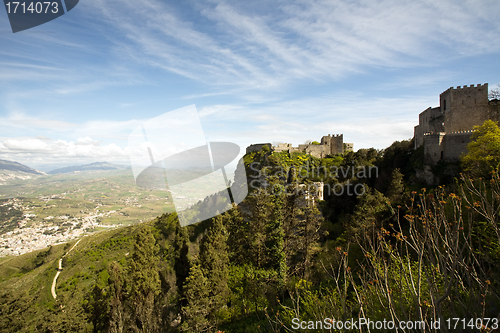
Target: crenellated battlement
[434,133]
[461,132]
[472,86]
[445,133]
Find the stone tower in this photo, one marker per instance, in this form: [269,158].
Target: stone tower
[334,144]
[464,107]
[445,131]
[337,144]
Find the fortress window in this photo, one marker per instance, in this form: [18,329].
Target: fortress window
[442,154]
[444,104]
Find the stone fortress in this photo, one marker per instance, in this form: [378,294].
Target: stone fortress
[445,131]
[330,145]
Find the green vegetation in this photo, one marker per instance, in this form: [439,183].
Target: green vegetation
[387,253]
[483,155]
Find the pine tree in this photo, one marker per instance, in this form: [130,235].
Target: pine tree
[144,283]
[291,227]
[97,306]
[181,260]
[311,225]
[195,312]
[396,187]
[276,234]
[372,212]
[257,230]
[214,262]
[206,290]
[238,236]
[117,316]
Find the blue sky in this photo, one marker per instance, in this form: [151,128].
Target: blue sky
[72,90]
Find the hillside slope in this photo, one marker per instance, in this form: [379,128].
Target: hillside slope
[10,171]
[26,302]
[15,166]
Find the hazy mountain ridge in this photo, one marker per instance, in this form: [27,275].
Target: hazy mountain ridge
[15,166]
[89,167]
[11,171]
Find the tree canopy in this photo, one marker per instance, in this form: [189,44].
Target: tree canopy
[483,156]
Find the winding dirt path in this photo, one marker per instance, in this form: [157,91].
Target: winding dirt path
[59,270]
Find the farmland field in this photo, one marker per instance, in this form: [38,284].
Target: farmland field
[57,208]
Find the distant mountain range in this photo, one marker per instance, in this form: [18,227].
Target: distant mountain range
[89,167]
[15,166]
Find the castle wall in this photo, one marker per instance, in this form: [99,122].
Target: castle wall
[464,107]
[494,110]
[331,144]
[433,147]
[455,145]
[430,120]
[302,147]
[418,136]
[318,151]
[282,147]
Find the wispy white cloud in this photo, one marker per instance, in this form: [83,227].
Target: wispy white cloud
[20,121]
[108,130]
[196,96]
[315,40]
[14,72]
[163,40]
[418,80]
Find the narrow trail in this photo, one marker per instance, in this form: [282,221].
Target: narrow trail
[59,270]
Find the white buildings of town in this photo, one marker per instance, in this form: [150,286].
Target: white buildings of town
[43,233]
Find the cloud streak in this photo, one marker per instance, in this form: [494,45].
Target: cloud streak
[313,40]
[261,71]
